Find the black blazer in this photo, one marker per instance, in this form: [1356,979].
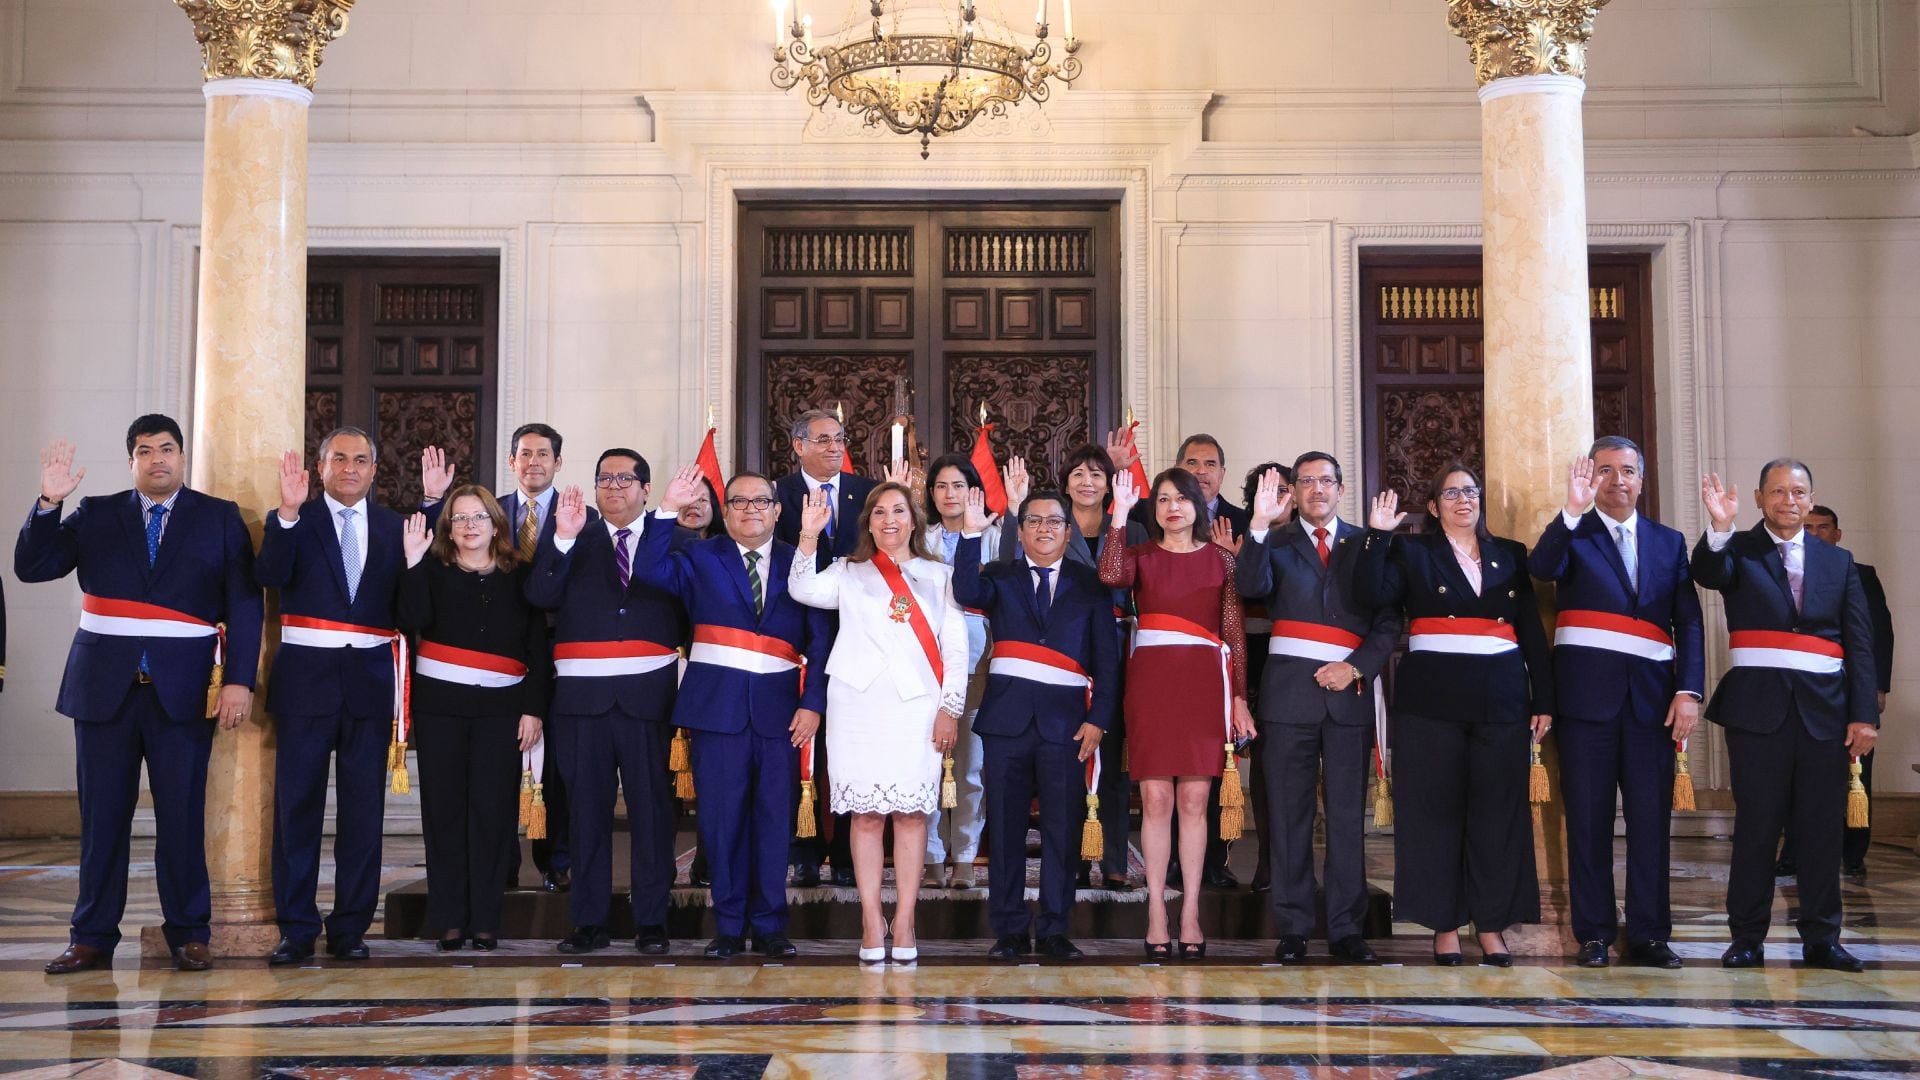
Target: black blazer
[1418,574]
[1750,576]
[304,563]
[1882,626]
[849,492]
[582,589]
[486,613]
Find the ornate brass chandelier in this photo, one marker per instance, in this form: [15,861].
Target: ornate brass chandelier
[929,71]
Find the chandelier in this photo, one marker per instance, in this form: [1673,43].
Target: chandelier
[929,71]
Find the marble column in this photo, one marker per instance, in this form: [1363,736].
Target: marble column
[1530,57]
[249,371]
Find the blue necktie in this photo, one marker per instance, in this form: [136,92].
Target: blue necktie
[1629,558]
[156,520]
[827,490]
[349,553]
[1042,595]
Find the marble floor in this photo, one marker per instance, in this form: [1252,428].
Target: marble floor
[528,1011]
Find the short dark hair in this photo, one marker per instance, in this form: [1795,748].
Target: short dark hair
[640,467]
[1048,495]
[1252,483]
[1618,442]
[747,474]
[350,431]
[1782,463]
[1188,485]
[1318,455]
[941,464]
[1203,439]
[524,430]
[1439,484]
[154,424]
[1089,454]
[1827,512]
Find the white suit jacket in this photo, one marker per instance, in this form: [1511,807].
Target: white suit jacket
[870,642]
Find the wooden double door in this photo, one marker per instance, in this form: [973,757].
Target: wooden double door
[929,311]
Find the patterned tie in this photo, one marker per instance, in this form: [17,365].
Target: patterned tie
[349,553]
[620,556]
[1795,574]
[157,520]
[753,581]
[1042,595]
[1629,556]
[827,490]
[529,531]
[1320,545]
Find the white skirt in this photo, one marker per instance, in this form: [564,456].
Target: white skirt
[880,755]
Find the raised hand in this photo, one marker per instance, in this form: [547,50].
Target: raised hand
[1222,531]
[899,472]
[1017,483]
[569,514]
[416,538]
[436,473]
[1385,514]
[1271,501]
[1580,486]
[293,485]
[1723,503]
[1120,450]
[814,515]
[974,517]
[58,479]
[683,489]
[1124,496]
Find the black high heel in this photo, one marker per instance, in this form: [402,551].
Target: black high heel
[1445,959]
[1193,950]
[1159,950]
[1501,959]
[485,943]
[453,944]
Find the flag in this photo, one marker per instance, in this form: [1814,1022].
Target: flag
[983,463]
[1138,469]
[709,461]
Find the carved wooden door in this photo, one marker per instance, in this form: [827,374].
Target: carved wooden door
[405,348]
[931,311]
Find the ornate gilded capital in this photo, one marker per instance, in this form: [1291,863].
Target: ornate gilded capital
[265,39]
[1511,38]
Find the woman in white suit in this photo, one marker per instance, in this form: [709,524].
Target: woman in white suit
[897,683]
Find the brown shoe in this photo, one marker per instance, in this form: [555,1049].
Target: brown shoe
[193,956]
[79,958]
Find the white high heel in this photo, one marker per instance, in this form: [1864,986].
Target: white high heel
[904,954]
[875,955]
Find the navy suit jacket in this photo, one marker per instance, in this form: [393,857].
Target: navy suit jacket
[582,588]
[710,580]
[1593,684]
[1284,572]
[304,564]
[204,568]
[1749,574]
[1079,624]
[850,496]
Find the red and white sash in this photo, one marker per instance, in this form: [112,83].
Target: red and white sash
[742,650]
[599,659]
[1614,633]
[1784,650]
[131,618]
[908,607]
[467,666]
[1469,637]
[1037,663]
[1311,641]
[327,634]
[1163,631]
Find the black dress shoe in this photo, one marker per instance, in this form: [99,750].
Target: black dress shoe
[1262,884]
[289,951]
[1010,947]
[353,948]
[1857,871]
[806,876]
[1592,954]
[1834,957]
[584,939]
[454,943]
[1652,954]
[556,881]
[193,956]
[1291,949]
[699,880]
[725,946]
[1785,868]
[79,958]
[1057,947]
[652,941]
[1744,954]
[843,876]
[486,942]
[776,946]
[1220,878]
[1352,949]
[1084,879]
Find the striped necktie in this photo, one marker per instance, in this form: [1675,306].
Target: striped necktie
[529,531]
[349,553]
[753,581]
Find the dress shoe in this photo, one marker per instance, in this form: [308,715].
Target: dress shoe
[934,877]
[453,944]
[1591,954]
[1220,878]
[193,956]
[585,939]
[1857,871]
[652,941]
[1744,954]
[1010,947]
[963,876]
[806,876]
[1834,957]
[725,946]
[556,881]
[289,951]
[79,958]
[1291,949]
[1784,868]
[1262,884]
[1122,883]
[1057,947]
[843,877]
[700,879]
[875,955]
[1352,949]
[776,946]
[486,942]
[1084,879]
[348,948]
[1652,954]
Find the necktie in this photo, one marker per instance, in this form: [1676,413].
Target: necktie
[620,556]
[827,490]
[753,581]
[949,543]
[529,531]
[1042,595]
[1629,556]
[157,519]
[349,553]
[1320,545]
[1795,572]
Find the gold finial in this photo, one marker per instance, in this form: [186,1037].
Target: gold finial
[983,414]
[265,39]
[1512,38]
[1129,416]
[710,423]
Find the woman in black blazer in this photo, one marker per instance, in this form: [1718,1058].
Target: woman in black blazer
[1470,697]
[479,690]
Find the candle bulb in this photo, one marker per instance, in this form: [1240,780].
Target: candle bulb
[806,31]
[899,441]
[1066,17]
[1040,16]
[779,23]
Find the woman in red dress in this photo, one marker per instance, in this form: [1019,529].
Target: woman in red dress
[1186,692]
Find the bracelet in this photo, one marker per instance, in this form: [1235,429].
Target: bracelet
[805,536]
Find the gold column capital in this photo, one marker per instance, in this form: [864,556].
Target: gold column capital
[1513,38]
[265,39]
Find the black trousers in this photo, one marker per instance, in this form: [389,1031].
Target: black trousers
[1257,762]
[601,757]
[1017,769]
[1853,843]
[469,811]
[1786,780]
[1463,831]
[1629,758]
[1291,755]
[356,748]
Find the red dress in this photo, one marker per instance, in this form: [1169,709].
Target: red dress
[1174,696]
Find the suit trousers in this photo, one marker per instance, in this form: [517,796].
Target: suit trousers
[602,756]
[1258,783]
[1786,780]
[747,786]
[1291,757]
[1463,830]
[1626,758]
[1018,769]
[356,748]
[108,772]
[1853,844]
[469,810]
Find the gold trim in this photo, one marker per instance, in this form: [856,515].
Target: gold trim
[265,39]
[1514,38]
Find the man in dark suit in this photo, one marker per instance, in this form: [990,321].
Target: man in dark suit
[1629,673]
[616,655]
[336,561]
[1797,699]
[1052,691]
[820,447]
[160,566]
[754,688]
[1317,707]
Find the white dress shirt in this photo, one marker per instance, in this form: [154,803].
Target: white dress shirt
[334,506]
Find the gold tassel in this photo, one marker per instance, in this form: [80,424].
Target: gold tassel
[805,828]
[1382,802]
[1093,837]
[397,764]
[395,755]
[537,817]
[1856,798]
[677,752]
[214,685]
[526,797]
[1537,779]
[683,785]
[1232,799]
[1232,822]
[949,790]
[1682,782]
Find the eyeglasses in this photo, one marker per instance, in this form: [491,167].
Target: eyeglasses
[1461,494]
[1043,524]
[478,517]
[1327,482]
[824,441]
[621,481]
[743,502]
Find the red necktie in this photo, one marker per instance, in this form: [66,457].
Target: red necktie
[1320,545]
